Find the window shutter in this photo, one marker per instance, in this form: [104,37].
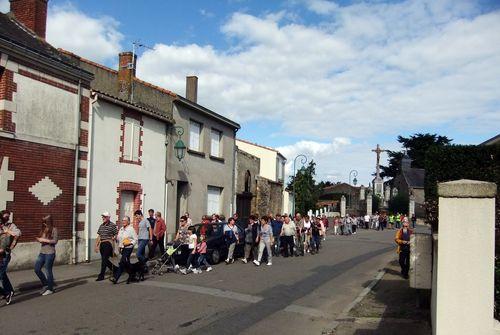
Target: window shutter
[213,200]
[128,133]
[194,136]
[136,141]
[215,143]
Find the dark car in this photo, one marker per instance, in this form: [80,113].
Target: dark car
[217,247]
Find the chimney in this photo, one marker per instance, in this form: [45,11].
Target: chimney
[32,14]
[192,88]
[126,73]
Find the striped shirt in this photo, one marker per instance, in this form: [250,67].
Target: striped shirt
[107,231]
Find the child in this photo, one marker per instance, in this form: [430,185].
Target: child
[202,254]
[192,242]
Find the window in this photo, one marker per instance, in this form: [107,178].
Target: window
[195,136]
[215,141]
[213,200]
[131,139]
[280,169]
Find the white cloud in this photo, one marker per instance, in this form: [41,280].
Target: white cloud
[96,38]
[4,6]
[321,6]
[415,64]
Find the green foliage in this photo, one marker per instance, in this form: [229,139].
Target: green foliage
[392,170]
[416,147]
[306,191]
[399,203]
[459,162]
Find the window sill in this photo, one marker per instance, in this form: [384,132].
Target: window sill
[196,153]
[218,159]
[122,160]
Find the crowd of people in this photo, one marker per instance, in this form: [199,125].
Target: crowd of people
[263,238]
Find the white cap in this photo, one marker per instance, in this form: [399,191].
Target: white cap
[105,214]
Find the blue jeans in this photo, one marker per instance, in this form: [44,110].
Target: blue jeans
[46,260]
[202,260]
[6,285]
[141,250]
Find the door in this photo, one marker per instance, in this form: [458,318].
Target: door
[244,207]
[127,205]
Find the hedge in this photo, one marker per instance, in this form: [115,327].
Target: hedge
[452,162]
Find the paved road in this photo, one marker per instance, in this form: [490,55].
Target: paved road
[294,296]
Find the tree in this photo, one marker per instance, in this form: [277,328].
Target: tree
[392,170]
[399,203]
[416,147]
[306,191]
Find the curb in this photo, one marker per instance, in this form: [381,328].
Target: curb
[344,315]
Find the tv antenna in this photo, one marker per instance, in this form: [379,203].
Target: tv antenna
[136,45]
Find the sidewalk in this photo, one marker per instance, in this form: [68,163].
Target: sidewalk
[26,280]
[390,308]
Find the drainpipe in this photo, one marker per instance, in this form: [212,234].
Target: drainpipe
[75,185]
[233,195]
[89,176]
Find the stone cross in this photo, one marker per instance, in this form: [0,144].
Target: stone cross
[378,150]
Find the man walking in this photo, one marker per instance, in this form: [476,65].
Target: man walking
[10,234]
[287,232]
[145,236]
[106,236]
[403,241]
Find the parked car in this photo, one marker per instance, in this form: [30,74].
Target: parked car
[217,247]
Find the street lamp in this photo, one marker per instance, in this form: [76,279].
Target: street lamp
[354,181]
[179,146]
[303,160]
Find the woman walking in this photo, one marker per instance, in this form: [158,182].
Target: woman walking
[48,240]
[265,240]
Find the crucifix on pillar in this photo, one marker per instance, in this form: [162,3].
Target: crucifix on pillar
[378,183]
[378,150]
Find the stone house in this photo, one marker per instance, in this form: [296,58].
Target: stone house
[44,114]
[247,171]
[410,182]
[269,184]
[355,198]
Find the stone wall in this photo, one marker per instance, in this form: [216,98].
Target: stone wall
[269,196]
[246,164]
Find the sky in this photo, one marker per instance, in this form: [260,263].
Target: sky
[327,79]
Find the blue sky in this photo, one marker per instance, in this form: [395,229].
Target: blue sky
[330,79]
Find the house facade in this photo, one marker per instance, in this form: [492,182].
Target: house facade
[202,182]
[44,111]
[270,181]
[129,126]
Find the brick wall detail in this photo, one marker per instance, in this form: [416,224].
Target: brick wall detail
[7,89]
[32,163]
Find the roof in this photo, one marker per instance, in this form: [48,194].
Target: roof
[14,34]
[261,146]
[132,105]
[493,140]
[414,177]
[207,112]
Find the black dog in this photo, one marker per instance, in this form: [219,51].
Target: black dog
[136,272]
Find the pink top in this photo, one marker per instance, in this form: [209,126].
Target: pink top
[202,247]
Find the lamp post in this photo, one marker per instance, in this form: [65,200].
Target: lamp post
[179,146]
[354,181]
[303,160]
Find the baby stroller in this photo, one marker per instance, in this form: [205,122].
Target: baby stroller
[166,263]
